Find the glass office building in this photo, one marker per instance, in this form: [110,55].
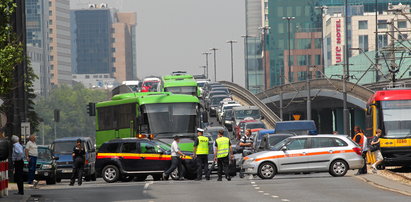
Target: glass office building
[92,41]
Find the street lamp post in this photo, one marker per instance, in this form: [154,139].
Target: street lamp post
[215,63]
[322,34]
[266,72]
[346,73]
[289,46]
[206,54]
[204,68]
[246,60]
[232,62]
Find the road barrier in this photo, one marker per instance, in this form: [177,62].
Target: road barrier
[4,179]
[252,100]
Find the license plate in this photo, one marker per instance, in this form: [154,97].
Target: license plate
[66,171]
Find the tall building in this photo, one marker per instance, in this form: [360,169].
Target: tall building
[124,46]
[104,42]
[307,21]
[254,20]
[37,43]
[60,42]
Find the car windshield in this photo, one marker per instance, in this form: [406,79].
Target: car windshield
[214,133]
[64,147]
[216,100]
[44,154]
[228,114]
[254,125]
[275,139]
[163,145]
[150,83]
[397,119]
[217,93]
[277,147]
[188,90]
[171,118]
[200,85]
[242,114]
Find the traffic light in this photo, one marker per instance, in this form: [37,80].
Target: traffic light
[91,109]
[56,115]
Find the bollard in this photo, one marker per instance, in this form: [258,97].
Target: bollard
[4,182]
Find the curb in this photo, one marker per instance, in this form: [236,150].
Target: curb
[382,186]
[398,175]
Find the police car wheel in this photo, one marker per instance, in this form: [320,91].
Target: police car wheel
[338,168]
[110,173]
[267,170]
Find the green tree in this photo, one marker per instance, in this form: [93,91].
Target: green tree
[72,103]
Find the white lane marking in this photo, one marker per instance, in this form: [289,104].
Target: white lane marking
[284,199]
[256,187]
[274,196]
[252,182]
[261,191]
[266,194]
[146,186]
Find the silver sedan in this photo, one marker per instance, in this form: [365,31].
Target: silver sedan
[335,154]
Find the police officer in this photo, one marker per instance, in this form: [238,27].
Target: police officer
[201,154]
[78,163]
[222,153]
[246,142]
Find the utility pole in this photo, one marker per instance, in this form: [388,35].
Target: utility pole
[266,70]
[204,69]
[232,62]
[308,94]
[247,85]
[215,63]
[376,42]
[346,74]
[206,54]
[289,48]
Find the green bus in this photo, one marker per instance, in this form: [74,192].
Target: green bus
[162,114]
[181,84]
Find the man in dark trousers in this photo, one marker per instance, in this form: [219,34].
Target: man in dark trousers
[78,163]
[176,161]
[201,154]
[17,157]
[222,153]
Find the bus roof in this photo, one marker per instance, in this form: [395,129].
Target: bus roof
[172,77]
[395,94]
[180,82]
[149,98]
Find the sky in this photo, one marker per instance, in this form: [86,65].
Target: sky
[172,35]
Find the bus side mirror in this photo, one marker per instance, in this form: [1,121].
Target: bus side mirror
[369,109]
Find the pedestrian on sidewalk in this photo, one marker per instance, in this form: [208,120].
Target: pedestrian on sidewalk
[201,154]
[375,144]
[223,152]
[79,158]
[361,140]
[176,161]
[31,155]
[17,157]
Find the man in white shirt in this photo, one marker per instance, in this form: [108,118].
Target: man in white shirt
[176,155]
[31,155]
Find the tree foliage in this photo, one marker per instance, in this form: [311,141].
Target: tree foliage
[74,120]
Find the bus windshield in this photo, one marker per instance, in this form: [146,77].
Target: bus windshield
[242,114]
[171,117]
[188,90]
[397,119]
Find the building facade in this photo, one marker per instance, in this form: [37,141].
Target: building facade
[104,42]
[60,42]
[37,43]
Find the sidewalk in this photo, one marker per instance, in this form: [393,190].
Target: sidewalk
[383,182]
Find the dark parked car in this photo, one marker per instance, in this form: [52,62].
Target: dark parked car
[226,120]
[46,168]
[214,102]
[63,148]
[129,158]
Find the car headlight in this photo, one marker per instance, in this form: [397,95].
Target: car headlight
[227,122]
[213,108]
[46,166]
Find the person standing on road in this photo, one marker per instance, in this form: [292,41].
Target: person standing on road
[361,140]
[222,153]
[176,161]
[79,157]
[17,157]
[377,151]
[246,142]
[201,154]
[31,155]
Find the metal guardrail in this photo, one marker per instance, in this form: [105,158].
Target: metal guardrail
[251,99]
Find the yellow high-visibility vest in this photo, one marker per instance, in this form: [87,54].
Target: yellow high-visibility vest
[223,147]
[202,147]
